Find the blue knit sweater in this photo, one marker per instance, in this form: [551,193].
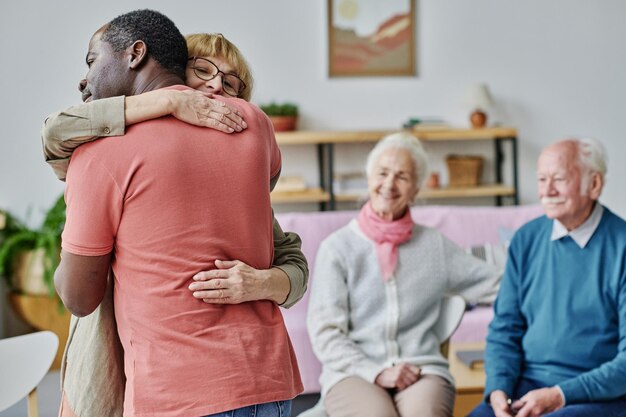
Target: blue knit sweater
[560,315]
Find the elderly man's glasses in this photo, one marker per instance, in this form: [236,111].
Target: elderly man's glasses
[206,70]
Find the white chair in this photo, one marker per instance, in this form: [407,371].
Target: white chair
[24,361]
[450,315]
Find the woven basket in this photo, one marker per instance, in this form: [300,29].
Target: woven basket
[464,171]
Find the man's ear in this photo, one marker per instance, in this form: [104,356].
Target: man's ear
[137,54]
[595,185]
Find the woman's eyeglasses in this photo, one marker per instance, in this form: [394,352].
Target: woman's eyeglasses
[206,70]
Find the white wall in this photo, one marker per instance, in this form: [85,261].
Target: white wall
[555,68]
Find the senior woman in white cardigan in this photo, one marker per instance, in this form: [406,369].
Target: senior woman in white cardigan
[376,295]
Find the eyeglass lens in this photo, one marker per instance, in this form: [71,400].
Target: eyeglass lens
[207,70]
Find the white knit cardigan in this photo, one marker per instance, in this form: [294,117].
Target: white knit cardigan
[360,324]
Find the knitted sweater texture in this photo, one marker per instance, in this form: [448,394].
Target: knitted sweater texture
[359,324]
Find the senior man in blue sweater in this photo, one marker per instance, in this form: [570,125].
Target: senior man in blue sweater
[557,343]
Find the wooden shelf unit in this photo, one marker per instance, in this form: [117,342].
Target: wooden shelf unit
[312,195]
[325,141]
[315,137]
[470,383]
[483,190]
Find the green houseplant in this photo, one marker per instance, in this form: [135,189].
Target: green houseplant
[283,115]
[29,257]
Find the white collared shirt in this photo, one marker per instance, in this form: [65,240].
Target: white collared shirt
[582,233]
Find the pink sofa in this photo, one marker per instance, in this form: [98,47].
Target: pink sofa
[467,226]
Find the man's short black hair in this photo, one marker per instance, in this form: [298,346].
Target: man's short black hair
[164,41]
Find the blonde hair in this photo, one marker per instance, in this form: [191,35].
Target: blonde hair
[216,45]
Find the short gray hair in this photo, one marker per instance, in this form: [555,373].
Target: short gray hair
[592,156]
[591,160]
[406,141]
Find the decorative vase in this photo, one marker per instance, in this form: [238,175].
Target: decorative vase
[28,272]
[433,181]
[478,119]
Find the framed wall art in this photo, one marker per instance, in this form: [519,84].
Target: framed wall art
[371,38]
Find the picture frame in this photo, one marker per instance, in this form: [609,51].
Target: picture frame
[371,38]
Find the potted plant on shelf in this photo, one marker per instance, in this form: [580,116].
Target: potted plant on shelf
[283,116]
[28,259]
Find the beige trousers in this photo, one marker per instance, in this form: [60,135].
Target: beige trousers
[430,396]
[92,371]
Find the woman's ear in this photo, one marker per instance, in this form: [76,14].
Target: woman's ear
[417,187]
[415,194]
[137,53]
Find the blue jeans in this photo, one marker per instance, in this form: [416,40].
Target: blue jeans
[274,409]
[615,408]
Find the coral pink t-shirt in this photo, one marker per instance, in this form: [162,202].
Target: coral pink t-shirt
[169,199]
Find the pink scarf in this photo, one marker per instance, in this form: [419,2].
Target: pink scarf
[387,235]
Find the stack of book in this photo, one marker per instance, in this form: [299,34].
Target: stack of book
[426,124]
[474,359]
